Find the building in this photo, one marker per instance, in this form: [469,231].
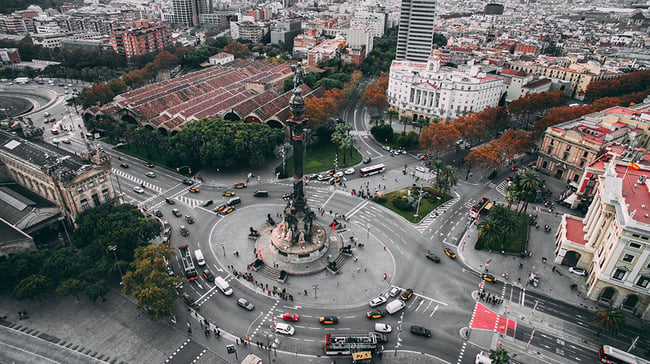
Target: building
[9,56]
[48,40]
[612,242]
[186,12]
[415,33]
[569,147]
[328,49]
[302,43]
[360,36]
[429,90]
[221,58]
[141,38]
[68,181]
[285,30]
[374,20]
[247,30]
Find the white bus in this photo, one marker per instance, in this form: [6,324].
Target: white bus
[369,171]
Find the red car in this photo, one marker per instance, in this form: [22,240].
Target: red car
[148,164]
[290,317]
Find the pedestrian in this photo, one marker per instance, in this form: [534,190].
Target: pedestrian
[237,341]
[365,269]
[384,247]
[305,292]
[553,269]
[385,276]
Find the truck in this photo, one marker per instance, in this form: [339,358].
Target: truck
[22,80]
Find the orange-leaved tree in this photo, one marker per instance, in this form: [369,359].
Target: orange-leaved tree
[513,142]
[438,137]
[485,158]
[470,126]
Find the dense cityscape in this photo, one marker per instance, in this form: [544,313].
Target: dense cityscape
[203,181]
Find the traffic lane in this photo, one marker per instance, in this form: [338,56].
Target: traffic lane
[552,343]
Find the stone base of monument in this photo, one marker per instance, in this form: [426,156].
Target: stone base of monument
[280,257]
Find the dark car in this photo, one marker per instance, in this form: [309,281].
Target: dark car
[488,277]
[189,219]
[158,213]
[169,201]
[176,213]
[188,299]
[433,257]
[124,165]
[207,203]
[220,208]
[286,196]
[367,160]
[328,320]
[374,314]
[419,330]
[194,190]
[208,275]
[407,294]
[261,194]
[450,253]
[149,165]
[188,182]
[184,230]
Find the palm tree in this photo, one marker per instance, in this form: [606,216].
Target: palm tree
[446,178]
[499,356]
[392,115]
[284,151]
[420,123]
[611,320]
[376,119]
[342,139]
[488,233]
[505,219]
[511,194]
[528,183]
[405,120]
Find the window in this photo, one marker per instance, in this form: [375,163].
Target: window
[585,154]
[84,204]
[643,281]
[619,274]
[635,245]
[628,258]
[576,178]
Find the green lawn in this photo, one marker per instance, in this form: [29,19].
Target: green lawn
[319,158]
[516,243]
[426,205]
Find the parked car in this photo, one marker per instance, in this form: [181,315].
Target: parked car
[290,317]
[578,271]
[242,302]
[419,330]
[138,189]
[429,254]
[377,301]
[328,320]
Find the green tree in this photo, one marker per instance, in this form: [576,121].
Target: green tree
[376,119]
[405,120]
[446,178]
[71,286]
[528,183]
[499,356]
[610,320]
[392,115]
[33,286]
[488,235]
[96,290]
[284,151]
[342,139]
[505,219]
[149,282]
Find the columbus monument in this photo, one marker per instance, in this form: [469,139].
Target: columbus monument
[298,244]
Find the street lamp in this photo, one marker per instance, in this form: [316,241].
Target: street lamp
[113,248]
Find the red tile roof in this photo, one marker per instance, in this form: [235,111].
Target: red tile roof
[574,231]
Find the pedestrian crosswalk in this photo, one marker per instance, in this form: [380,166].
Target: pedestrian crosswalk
[427,221]
[502,187]
[141,182]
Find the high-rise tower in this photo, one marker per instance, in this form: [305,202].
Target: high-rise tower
[415,34]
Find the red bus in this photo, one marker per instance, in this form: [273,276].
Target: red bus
[611,355]
[483,206]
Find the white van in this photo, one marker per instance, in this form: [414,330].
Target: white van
[200,261]
[284,329]
[223,285]
[395,306]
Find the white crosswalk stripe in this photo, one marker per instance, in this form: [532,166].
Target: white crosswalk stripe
[433,215]
[147,184]
[502,187]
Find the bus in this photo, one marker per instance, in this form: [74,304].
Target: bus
[483,206]
[347,344]
[611,355]
[369,171]
[188,264]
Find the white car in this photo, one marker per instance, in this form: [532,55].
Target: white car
[578,271]
[150,174]
[386,147]
[382,327]
[338,174]
[322,177]
[377,301]
[421,169]
[349,171]
[284,329]
[138,189]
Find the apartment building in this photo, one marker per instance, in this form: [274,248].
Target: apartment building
[140,38]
